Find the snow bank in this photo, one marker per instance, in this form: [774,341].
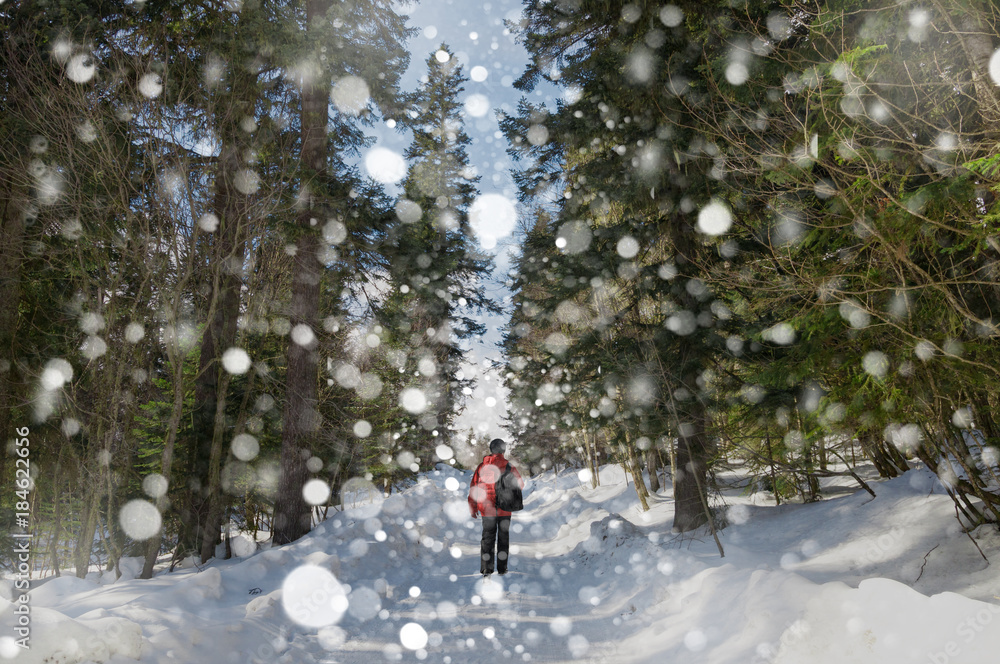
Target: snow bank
[58,639]
[849,579]
[885,622]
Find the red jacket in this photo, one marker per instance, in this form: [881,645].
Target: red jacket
[482,492]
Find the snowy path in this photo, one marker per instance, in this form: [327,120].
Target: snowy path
[592,579]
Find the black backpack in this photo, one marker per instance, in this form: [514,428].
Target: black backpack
[508,492]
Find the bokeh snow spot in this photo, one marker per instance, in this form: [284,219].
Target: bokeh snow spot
[924,350]
[350,95]
[578,645]
[671,16]
[94,347]
[561,626]
[312,597]
[331,638]
[962,418]
[334,232]
[408,211]
[627,247]
[139,519]
[854,313]
[92,323]
[208,222]
[369,386]
[995,66]
[154,485]
[245,447]
[364,603]
[737,72]
[82,67]
[477,105]
[246,181]
[875,363]
[413,636]
[413,400]
[557,343]
[714,219]
[385,165]
[316,492]
[150,86]
[782,334]
[573,237]
[538,135]
[738,514]
[235,361]
[134,332]
[57,373]
[303,335]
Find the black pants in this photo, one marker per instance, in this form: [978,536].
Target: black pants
[496,532]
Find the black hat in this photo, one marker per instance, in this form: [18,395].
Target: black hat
[498,446]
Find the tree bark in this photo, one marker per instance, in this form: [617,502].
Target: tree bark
[56,518]
[219,335]
[774,473]
[213,518]
[166,462]
[691,472]
[11,257]
[640,485]
[300,419]
[653,467]
[88,523]
[595,467]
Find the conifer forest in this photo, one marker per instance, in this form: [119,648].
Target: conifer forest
[265,260]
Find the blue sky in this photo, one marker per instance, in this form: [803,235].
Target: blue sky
[476,34]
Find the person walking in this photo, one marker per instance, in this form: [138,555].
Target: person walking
[495,544]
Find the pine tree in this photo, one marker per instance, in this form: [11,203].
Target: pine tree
[436,275]
[630,174]
[357,47]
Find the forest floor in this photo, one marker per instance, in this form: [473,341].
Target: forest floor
[849,579]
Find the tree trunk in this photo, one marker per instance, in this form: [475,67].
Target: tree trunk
[300,419]
[210,529]
[808,461]
[227,256]
[812,482]
[591,446]
[640,485]
[11,256]
[691,472]
[653,467]
[166,461]
[673,459]
[877,451]
[56,518]
[88,526]
[774,473]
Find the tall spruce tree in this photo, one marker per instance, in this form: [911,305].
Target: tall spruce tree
[632,174]
[352,55]
[437,276]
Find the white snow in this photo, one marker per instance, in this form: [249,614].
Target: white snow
[851,579]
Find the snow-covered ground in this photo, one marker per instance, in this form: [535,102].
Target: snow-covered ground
[849,579]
